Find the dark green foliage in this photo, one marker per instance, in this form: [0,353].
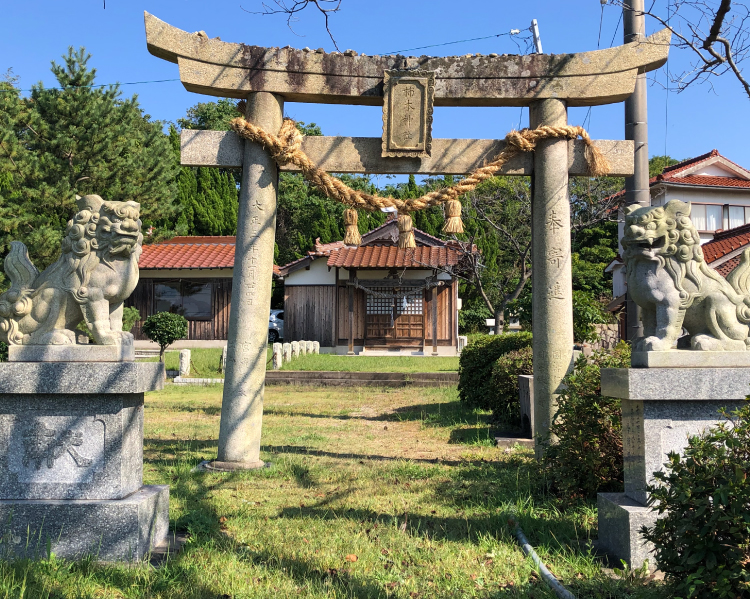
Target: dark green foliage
[471,319]
[130,316]
[587,312]
[505,373]
[702,536]
[587,458]
[657,164]
[77,140]
[210,115]
[3,351]
[165,328]
[475,385]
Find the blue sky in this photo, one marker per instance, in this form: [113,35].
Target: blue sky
[683,125]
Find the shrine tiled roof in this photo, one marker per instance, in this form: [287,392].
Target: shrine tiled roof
[189,252]
[388,256]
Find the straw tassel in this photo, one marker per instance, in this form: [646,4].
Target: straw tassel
[351,236]
[453,223]
[405,232]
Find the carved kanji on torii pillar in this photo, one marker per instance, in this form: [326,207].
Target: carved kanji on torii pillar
[266,77]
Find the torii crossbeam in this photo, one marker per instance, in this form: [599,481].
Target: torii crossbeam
[267,77]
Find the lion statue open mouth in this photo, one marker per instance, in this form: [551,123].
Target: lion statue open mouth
[96,273]
[675,288]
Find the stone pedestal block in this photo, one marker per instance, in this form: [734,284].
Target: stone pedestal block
[661,409]
[184,362]
[620,520]
[71,460]
[109,530]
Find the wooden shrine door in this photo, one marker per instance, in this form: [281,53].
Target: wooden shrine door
[394,321]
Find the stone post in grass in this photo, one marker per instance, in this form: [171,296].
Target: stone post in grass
[286,350]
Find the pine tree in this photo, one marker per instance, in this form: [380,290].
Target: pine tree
[79,139]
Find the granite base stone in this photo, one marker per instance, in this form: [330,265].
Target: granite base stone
[80,377]
[653,429]
[66,446]
[620,520]
[109,530]
[687,358]
[87,352]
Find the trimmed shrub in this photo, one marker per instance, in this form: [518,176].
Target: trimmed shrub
[475,385]
[702,537]
[165,328]
[505,373]
[587,456]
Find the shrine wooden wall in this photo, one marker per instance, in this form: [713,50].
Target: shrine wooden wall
[215,327]
[309,313]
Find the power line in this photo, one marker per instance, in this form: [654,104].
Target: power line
[91,86]
[473,39]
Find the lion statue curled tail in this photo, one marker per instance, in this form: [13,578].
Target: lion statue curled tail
[675,288]
[96,273]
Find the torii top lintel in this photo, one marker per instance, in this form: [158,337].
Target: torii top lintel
[210,66]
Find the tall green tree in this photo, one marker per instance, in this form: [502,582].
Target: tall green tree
[78,139]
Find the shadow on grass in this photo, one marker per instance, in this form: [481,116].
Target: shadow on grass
[445,414]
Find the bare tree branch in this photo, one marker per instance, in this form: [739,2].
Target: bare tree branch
[718,37]
[291,8]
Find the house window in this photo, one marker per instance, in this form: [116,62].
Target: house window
[188,298]
[706,217]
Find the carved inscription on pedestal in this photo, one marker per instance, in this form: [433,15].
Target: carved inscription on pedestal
[407,113]
[55,449]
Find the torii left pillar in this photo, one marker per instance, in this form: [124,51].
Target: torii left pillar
[244,380]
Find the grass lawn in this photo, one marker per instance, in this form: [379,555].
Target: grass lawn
[370,493]
[372,363]
[206,363]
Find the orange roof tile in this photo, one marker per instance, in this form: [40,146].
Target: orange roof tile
[709,181]
[384,256]
[725,242]
[189,252]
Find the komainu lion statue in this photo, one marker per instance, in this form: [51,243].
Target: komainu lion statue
[96,273]
[675,288]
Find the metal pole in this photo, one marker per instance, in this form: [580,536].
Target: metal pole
[537,38]
[636,129]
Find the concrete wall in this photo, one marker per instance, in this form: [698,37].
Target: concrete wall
[318,274]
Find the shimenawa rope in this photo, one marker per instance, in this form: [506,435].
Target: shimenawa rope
[285,148]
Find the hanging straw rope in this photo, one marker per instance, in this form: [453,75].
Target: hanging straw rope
[285,148]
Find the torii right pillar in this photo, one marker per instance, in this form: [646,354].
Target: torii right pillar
[552,291]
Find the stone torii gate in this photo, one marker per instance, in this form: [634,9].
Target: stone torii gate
[267,77]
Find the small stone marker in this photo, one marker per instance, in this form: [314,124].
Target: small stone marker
[223,365]
[302,348]
[277,356]
[316,347]
[184,362]
[286,351]
[309,347]
[295,349]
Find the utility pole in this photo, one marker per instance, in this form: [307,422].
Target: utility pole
[636,129]
[537,38]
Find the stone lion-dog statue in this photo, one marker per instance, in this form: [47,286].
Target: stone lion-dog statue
[96,272]
[675,288]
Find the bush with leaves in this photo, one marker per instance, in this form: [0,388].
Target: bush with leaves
[471,319]
[587,457]
[505,382]
[130,316]
[475,385]
[702,537]
[165,328]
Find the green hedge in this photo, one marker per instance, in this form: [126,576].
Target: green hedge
[475,385]
[505,373]
[587,457]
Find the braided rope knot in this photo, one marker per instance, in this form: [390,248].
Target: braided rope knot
[286,148]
